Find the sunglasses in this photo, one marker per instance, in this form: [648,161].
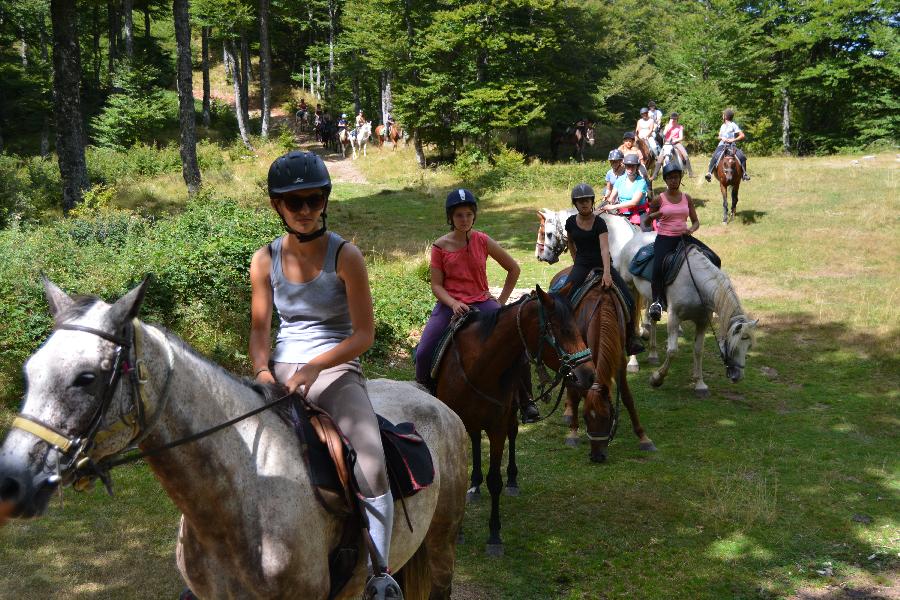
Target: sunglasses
[295,203]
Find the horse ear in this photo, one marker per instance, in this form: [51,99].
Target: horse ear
[541,216]
[127,307]
[737,328]
[58,300]
[543,297]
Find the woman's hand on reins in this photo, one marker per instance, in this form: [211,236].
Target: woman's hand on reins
[606,281]
[265,376]
[306,377]
[459,308]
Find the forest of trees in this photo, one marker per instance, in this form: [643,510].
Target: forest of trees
[805,76]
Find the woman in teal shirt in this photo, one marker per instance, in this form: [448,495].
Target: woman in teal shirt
[629,193]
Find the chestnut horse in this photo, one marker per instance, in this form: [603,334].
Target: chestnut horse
[601,321]
[478,376]
[393,135]
[649,161]
[729,173]
[580,135]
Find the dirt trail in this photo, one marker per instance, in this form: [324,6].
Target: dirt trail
[342,170]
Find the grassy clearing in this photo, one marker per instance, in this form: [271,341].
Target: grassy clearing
[787,480]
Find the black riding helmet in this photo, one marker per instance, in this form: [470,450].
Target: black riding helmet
[631,159]
[459,197]
[582,190]
[298,170]
[628,135]
[672,167]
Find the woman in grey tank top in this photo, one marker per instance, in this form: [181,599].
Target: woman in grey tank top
[319,285]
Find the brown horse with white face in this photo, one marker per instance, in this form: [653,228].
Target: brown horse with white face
[729,173]
[479,375]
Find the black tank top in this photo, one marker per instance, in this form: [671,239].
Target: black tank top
[587,243]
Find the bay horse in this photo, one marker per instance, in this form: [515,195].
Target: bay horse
[479,373]
[600,315]
[699,290]
[579,136]
[251,526]
[729,172]
[343,141]
[649,165]
[393,135]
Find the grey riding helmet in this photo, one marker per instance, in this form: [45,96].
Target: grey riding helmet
[582,190]
[672,167]
[616,154]
[628,135]
[631,159]
[645,111]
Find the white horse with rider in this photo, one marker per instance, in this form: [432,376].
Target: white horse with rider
[359,138]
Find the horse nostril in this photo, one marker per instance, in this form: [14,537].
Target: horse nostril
[10,490]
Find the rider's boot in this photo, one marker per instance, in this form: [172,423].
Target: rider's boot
[656,310]
[380,513]
[708,176]
[528,410]
[746,176]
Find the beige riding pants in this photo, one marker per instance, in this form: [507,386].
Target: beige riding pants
[341,392]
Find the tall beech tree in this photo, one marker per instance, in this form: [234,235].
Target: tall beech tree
[186,117]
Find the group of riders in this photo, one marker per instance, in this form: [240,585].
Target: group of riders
[318,284]
[328,130]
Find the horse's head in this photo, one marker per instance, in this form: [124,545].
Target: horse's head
[74,400]
[589,133]
[551,333]
[600,420]
[736,344]
[551,240]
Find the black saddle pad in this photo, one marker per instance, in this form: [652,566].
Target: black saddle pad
[642,263]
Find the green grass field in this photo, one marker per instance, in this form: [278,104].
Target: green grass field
[784,484]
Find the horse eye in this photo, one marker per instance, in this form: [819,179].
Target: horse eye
[84,379]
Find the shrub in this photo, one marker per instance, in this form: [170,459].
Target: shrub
[29,188]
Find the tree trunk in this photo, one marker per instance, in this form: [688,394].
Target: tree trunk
[229,51]
[312,92]
[147,25]
[228,61]
[96,46]
[204,67]
[356,103]
[332,14]
[417,143]
[23,51]
[245,78]
[129,28]
[785,121]
[67,102]
[264,65]
[420,151]
[111,21]
[189,169]
[387,97]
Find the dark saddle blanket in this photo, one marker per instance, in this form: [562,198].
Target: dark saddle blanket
[593,280]
[642,263]
[331,459]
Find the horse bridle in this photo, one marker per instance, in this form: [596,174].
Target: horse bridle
[568,360]
[74,451]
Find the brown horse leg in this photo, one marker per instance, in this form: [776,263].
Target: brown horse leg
[724,189]
[573,399]
[628,400]
[734,198]
[497,439]
[474,493]
[512,469]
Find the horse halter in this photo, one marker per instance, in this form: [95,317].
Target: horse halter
[568,361]
[76,450]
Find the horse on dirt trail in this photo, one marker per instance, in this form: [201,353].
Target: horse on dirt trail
[393,135]
[359,138]
[477,377]
[729,173]
[251,525]
[699,290]
[579,136]
[601,318]
[344,141]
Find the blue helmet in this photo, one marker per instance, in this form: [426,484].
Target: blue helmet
[460,197]
[616,154]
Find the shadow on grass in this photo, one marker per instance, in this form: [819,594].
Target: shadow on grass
[750,217]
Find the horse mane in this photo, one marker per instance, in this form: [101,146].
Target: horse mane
[487,321]
[607,355]
[725,301]
[81,304]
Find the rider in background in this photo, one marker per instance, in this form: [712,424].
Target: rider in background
[588,241]
[629,194]
[671,210]
[644,130]
[616,170]
[674,134]
[360,119]
[342,122]
[729,133]
[302,109]
[319,285]
[459,279]
[657,117]
[629,147]
[388,126]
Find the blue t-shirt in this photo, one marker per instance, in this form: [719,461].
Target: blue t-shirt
[611,177]
[627,189]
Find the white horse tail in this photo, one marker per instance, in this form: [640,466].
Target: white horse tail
[415,576]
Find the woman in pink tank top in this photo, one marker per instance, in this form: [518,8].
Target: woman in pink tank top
[671,209]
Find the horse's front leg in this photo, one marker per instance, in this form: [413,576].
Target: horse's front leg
[633,365]
[659,375]
[734,199]
[699,386]
[497,438]
[573,398]
[724,189]
[512,469]
[652,354]
[645,443]
[474,492]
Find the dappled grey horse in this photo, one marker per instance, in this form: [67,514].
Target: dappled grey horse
[251,525]
[700,289]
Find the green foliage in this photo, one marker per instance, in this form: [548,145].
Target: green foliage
[489,170]
[402,302]
[137,112]
[29,187]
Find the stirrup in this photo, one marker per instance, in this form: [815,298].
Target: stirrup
[655,311]
[529,412]
[382,587]
[746,177]
[708,177]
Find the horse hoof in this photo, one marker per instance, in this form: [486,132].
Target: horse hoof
[702,393]
[473,495]
[572,442]
[656,381]
[512,490]
[647,447]
[567,420]
[495,550]
[635,368]
[653,360]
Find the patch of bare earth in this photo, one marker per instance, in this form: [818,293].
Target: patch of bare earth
[850,592]
[467,591]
